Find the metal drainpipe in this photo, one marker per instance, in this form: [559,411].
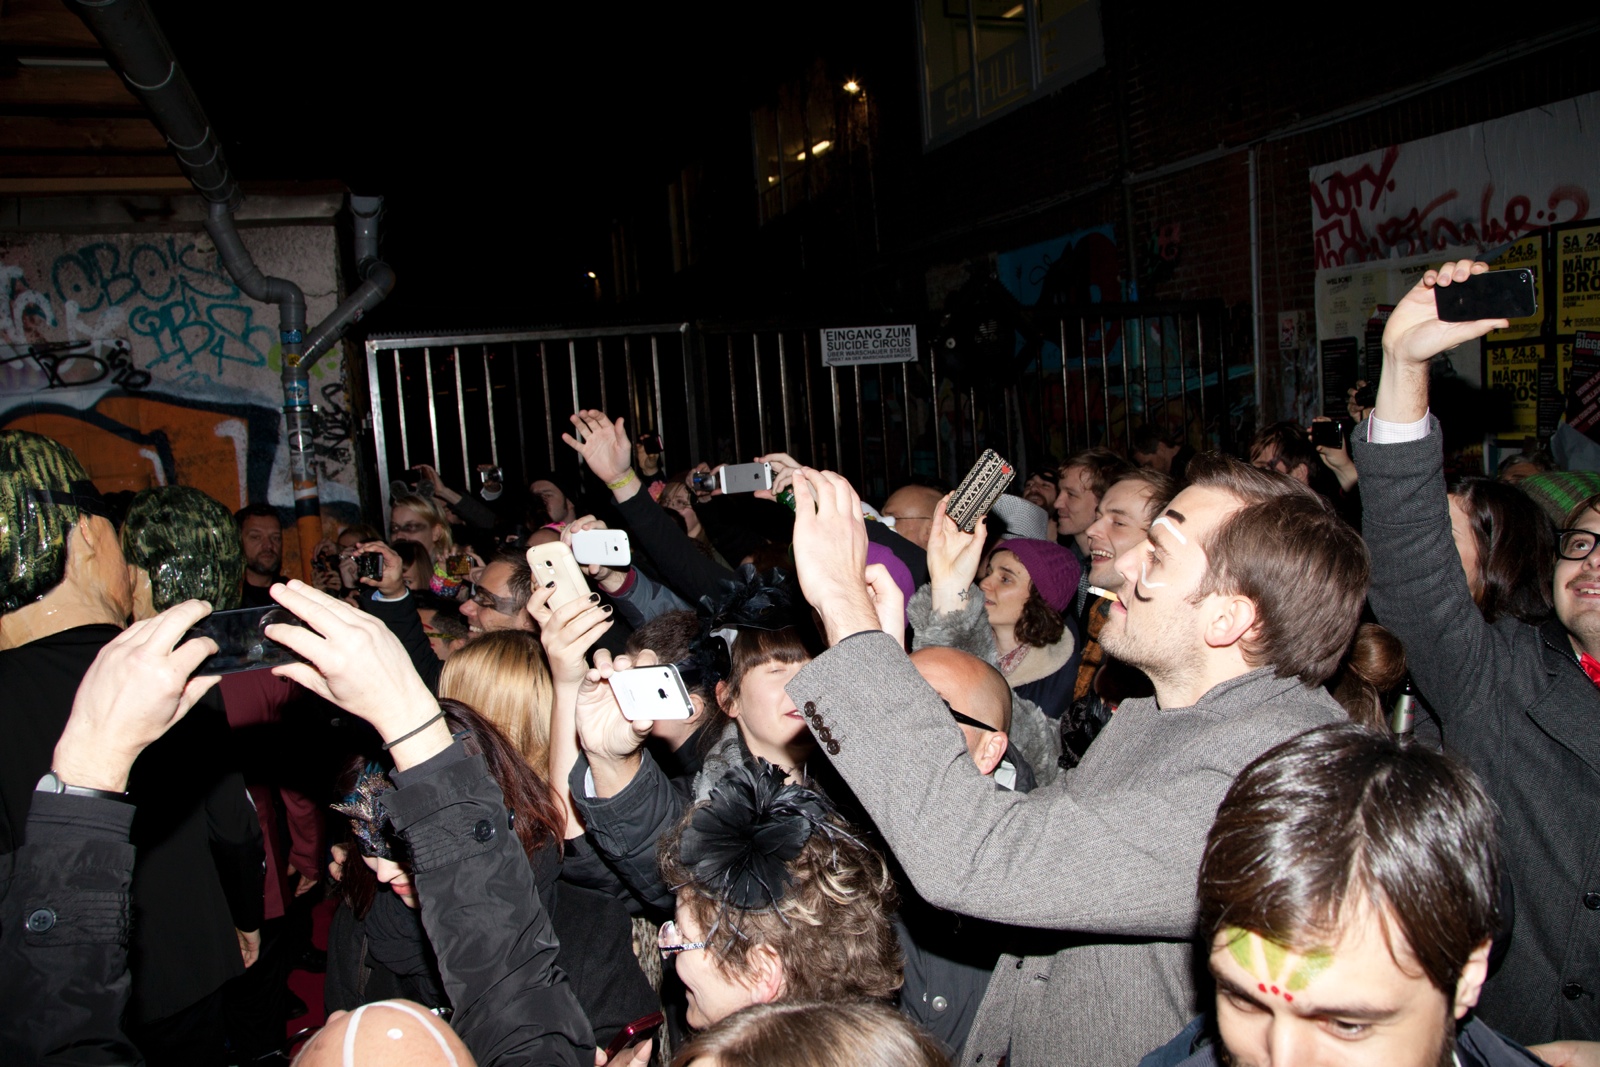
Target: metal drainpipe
[137,49]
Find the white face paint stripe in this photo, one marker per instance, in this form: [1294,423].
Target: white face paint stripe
[1144,577]
[421,1017]
[1169,524]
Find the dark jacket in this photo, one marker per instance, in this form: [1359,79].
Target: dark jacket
[64,914]
[680,564]
[491,936]
[401,617]
[200,869]
[1517,708]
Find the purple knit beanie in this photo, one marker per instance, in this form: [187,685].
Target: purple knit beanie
[1053,569]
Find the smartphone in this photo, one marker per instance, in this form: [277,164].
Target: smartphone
[554,563]
[979,490]
[458,565]
[242,643]
[1328,434]
[370,565]
[608,548]
[652,693]
[744,477]
[635,1033]
[1497,294]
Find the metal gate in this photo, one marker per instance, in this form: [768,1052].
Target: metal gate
[727,392]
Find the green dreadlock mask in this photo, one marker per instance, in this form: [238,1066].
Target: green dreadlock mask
[44,491]
[187,543]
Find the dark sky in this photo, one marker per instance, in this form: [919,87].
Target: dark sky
[502,135]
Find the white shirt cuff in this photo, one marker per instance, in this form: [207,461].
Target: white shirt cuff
[376,595]
[588,783]
[1380,432]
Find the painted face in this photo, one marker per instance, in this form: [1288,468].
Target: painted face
[764,711]
[407,525]
[1155,627]
[1005,586]
[712,995]
[1577,589]
[395,877]
[495,580]
[1075,501]
[261,536]
[1041,489]
[1348,1004]
[1118,526]
[1466,546]
[555,501]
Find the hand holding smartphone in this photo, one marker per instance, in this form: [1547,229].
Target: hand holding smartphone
[553,562]
[652,693]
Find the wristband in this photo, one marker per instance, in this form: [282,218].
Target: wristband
[414,733]
[52,783]
[622,481]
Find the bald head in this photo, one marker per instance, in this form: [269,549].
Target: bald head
[393,1033]
[976,690]
[912,507]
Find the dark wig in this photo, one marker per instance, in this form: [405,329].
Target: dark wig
[1039,624]
[1516,549]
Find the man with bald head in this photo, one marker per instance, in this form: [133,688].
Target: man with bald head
[912,508]
[980,700]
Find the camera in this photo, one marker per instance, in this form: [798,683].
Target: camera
[703,481]
[370,565]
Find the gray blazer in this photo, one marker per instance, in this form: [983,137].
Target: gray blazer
[1108,853]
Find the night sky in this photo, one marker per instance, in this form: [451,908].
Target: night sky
[504,140]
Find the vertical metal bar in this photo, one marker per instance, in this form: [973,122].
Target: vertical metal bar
[1039,399]
[1127,390]
[600,364]
[905,412]
[400,404]
[433,413]
[861,430]
[655,372]
[883,416]
[1200,358]
[1105,379]
[838,442]
[783,391]
[1183,378]
[549,416]
[1144,365]
[634,418]
[761,403]
[1088,416]
[811,418]
[972,422]
[1066,398]
[572,371]
[461,419]
[488,396]
[733,392]
[938,441]
[380,440]
[516,383]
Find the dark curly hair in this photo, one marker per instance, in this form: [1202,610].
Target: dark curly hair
[1039,624]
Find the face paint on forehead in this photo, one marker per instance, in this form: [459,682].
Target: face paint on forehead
[1173,527]
[1279,970]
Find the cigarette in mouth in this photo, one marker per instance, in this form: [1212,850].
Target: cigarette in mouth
[1108,594]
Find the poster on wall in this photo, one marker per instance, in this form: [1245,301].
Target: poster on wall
[1527,253]
[1583,403]
[1578,275]
[1514,368]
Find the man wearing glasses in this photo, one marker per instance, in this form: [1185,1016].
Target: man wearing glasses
[1520,703]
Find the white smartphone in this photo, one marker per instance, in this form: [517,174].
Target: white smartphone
[744,477]
[608,548]
[652,693]
[554,563]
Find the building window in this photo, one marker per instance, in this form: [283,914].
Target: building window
[1019,49]
[794,141]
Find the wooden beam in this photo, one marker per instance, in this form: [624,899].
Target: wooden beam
[68,166]
[68,186]
[27,135]
[42,24]
[38,91]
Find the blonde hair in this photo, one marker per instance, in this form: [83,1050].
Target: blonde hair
[426,507]
[840,1033]
[503,677]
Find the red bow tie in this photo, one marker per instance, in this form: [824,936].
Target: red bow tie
[1591,667]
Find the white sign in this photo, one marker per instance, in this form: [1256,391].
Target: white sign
[844,346]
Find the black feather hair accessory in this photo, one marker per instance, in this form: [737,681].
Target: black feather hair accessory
[749,601]
[738,844]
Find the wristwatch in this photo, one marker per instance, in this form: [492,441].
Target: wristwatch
[52,783]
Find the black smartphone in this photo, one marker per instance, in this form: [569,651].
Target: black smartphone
[242,642]
[635,1033]
[1328,434]
[370,565]
[1497,294]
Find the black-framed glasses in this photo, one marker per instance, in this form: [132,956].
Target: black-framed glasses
[505,605]
[670,942]
[1576,544]
[967,720]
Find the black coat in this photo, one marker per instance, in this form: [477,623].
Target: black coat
[1517,708]
[200,858]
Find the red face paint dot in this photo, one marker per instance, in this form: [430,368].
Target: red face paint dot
[1274,989]
[1261,986]
[1289,997]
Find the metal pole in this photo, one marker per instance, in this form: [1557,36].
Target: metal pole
[1200,358]
[883,432]
[1066,398]
[811,418]
[1183,378]
[1144,366]
[380,440]
[1083,348]
[516,383]
[600,363]
[633,388]
[433,413]
[1105,378]
[938,442]
[655,371]
[400,404]
[1127,390]
[838,441]
[783,389]
[1255,282]
[905,412]
[549,415]
[461,418]
[733,392]
[761,403]
[488,396]
[861,430]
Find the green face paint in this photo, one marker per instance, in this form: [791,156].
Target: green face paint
[1278,969]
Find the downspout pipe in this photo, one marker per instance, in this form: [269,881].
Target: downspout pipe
[377,281]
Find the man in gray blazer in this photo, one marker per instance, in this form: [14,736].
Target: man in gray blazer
[1239,603]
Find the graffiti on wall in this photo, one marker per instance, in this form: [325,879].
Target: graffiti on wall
[1473,189]
[140,352]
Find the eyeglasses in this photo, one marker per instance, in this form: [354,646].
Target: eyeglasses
[667,940]
[505,605]
[1576,544]
[408,527]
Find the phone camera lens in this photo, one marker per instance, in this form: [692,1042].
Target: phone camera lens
[662,693]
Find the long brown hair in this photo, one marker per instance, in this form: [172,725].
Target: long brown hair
[840,1033]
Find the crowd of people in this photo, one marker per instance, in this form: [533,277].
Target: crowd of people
[1110,778]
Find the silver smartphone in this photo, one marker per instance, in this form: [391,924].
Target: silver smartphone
[652,693]
[608,548]
[744,477]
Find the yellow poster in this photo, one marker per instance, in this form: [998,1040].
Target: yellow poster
[1527,252]
[1515,369]
[1578,269]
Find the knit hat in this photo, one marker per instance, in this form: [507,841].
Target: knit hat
[1023,518]
[1054,570]
[1558,492]
[901,574]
